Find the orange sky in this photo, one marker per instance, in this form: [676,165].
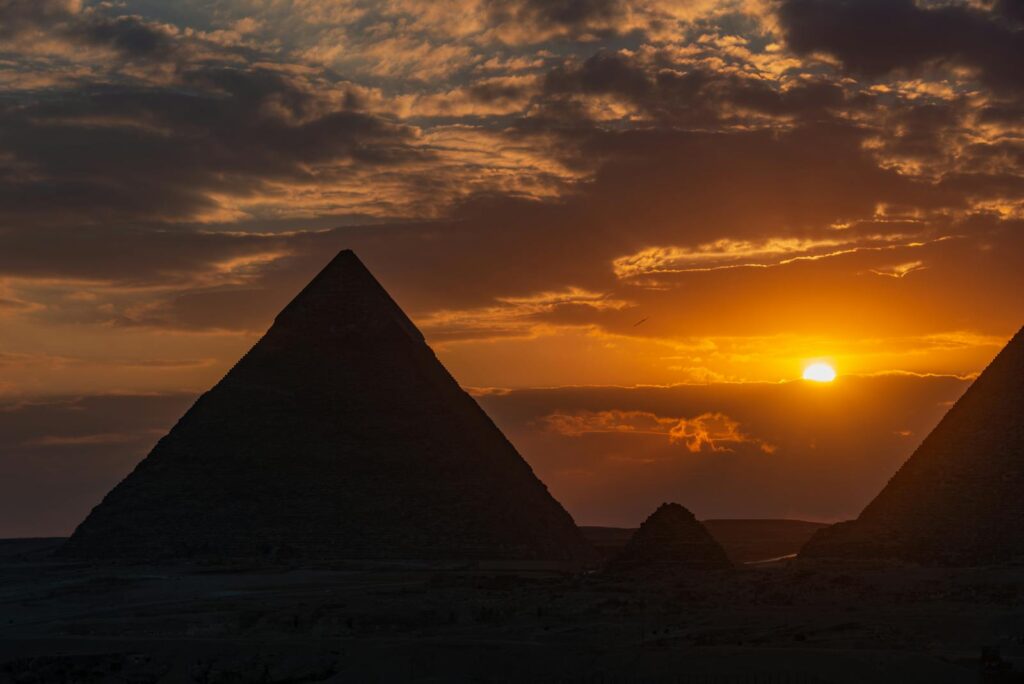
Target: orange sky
[611,193]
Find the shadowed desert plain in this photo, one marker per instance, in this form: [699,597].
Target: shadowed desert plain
[791,621]
[337,509]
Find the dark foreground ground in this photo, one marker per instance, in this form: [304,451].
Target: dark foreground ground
[771,623]
[744,541]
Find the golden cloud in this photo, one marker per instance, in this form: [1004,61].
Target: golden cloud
[515,315]
[899,270]
[708,432]
[730,253]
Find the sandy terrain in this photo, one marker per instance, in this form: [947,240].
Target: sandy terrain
[787,622]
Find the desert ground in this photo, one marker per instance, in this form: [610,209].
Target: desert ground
[782,622]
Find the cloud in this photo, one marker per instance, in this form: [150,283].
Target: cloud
[521,21]
[708,432]
[877,37]
[15,305]
[899,270]
[138,155]
[728,254]
[694,87]
[58,27]
[21,16]
[514,315]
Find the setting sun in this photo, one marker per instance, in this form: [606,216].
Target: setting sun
[820,372]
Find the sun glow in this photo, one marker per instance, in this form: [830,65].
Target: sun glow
[820,372]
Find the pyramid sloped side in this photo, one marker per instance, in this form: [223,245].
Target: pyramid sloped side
[957,496]
[339,434]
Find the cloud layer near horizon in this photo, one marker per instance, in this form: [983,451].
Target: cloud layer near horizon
[609,454]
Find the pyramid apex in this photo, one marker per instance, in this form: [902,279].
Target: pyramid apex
[345,289]
[346,255]
[672,508]
[345,258]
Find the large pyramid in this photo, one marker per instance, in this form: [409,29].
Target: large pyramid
[670,540]
[339,435]
[959,500]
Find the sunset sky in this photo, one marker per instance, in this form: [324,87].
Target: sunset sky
[627,226]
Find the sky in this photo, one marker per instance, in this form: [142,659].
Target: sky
[626,226]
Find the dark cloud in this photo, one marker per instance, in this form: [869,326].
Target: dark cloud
[497,91]
[177,140]
[131,37]
[20,16]
[687,94]
[574,16]
[876,37]
[574,12]
[923,131]
[1011,9]
[720,182]
[139,257]
[611,73]
[142,154]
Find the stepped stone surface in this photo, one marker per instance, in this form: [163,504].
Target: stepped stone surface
[958,499]
[670,539]
[338,435]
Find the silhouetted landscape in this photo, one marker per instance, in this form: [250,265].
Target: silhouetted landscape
[569,341]
[466,622]
[338,509]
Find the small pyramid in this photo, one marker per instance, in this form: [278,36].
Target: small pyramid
[670,539]
[957,500]
[338,435]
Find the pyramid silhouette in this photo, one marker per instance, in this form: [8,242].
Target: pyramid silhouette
[670,539]
[338,435]
[958,499]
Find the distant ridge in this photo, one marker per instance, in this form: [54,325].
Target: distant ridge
[338,435]
[958,499]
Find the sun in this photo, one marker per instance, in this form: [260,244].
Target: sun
[820,372]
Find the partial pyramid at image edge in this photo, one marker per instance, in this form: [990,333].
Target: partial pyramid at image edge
[958,499]
[338,435]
